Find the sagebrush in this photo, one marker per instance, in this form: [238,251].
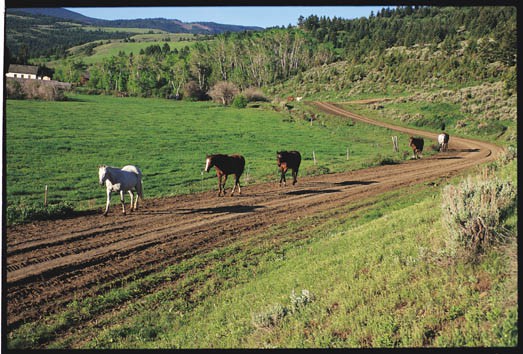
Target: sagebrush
[474,214]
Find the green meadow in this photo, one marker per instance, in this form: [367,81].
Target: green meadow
[374,273]
[108,50]
[61,145]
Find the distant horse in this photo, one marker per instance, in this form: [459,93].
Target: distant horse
[286,160]
[417,146]
[126,179]
[226,165]
[443,141]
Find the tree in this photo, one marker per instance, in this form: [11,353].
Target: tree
[223,92]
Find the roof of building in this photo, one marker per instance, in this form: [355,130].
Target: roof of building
[23,69]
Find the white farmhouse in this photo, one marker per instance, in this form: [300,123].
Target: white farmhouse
[24,72]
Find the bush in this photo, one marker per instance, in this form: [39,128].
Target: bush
[254,94]
[35,89]
[192,92]
[270,317]
[474,214]
[240,101]
[223,92]
[14,89]
[25,213]
[274,314]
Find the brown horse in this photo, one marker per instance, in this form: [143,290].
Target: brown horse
[226,165]
[286,160]
[417,146]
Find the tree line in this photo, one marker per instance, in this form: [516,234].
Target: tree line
[247,59]
[461,44]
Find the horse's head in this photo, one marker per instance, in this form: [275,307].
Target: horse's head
[102,174]
[279,157]
[208,163]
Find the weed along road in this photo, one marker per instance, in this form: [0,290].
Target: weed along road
[51,263]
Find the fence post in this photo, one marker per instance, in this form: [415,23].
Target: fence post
[45,196]
[347,154]
[395,143]
[314,157]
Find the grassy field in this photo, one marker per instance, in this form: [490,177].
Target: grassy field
[374,273]
[61,144]
[370,274]
[111,49]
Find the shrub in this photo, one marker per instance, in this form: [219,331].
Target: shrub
[273,314]
[300,301]
[192,92]
[25,213]
[14,89]
[316,170]
[508,155]
[270,317]
[35,89]
[223,92]
[380,160]
[240,101]
[474,214]
[254,94]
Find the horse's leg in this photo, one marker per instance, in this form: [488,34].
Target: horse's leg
[223,184]
[282,178]
[108,202]
[121,200]
[236,183]
[132,199]
[294,176]
[139,193]
[219,185]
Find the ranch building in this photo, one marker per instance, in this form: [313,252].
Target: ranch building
[25,72]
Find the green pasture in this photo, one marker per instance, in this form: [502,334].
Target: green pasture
[113,48]
[61,144]
[373,273]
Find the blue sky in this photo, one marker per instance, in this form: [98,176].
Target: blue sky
[262,16]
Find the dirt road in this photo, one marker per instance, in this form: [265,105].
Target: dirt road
[50,263]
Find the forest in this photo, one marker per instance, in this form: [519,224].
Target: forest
[478,43]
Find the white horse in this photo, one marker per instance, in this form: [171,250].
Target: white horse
[443,141]
[126,179]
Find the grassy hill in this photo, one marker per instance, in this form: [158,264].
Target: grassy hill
[46,32]
[111,48]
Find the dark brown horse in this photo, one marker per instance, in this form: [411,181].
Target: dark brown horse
[417,146]
[226,165]
[286,160]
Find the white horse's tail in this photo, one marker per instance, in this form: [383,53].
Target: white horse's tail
[133,169]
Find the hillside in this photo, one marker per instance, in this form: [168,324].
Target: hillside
[40,32]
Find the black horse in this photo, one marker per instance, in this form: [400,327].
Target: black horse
[417,146]
[226,165]
[286,160]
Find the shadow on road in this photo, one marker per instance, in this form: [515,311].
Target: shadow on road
[354,183]
[233,209]
[312,191]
